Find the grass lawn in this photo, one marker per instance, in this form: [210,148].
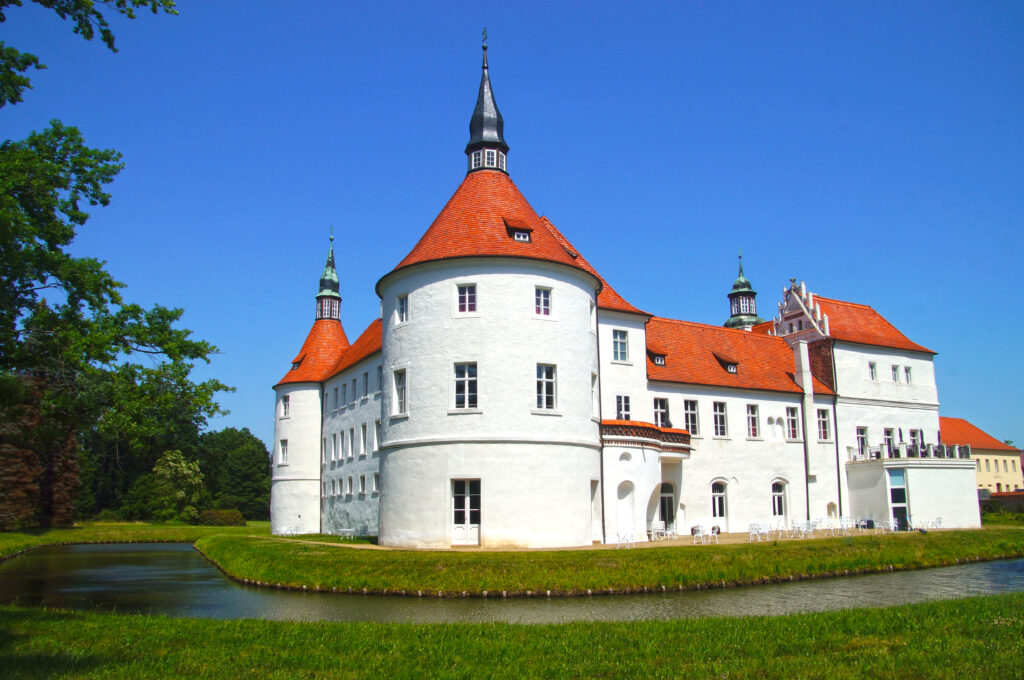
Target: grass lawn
[327,567]
[12,542]
[977,637]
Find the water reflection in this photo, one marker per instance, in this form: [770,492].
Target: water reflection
[175,580]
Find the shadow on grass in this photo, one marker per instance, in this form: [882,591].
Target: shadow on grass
[19,660]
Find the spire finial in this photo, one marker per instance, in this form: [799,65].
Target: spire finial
[741,262]
[487,147]
[332,233]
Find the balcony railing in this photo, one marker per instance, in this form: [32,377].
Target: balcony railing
[905,450]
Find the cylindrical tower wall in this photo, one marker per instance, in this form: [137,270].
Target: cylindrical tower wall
[295,483]
[535,465]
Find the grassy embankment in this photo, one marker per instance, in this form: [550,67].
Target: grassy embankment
[14,542]
[326,567]
[963,638]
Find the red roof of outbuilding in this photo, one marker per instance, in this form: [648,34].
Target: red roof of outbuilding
[863,325]
[477,221]
[959,431]
[324,345]
[698,354]
[365,345]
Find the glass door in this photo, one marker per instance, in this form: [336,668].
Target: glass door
[465,512]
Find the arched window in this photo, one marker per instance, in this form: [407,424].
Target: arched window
[718,499]
[667,504]
[778,499]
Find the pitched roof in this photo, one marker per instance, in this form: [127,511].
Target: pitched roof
[959,431]
[608,298]
[477,221]
[863,325]
[324,345]
[698,354]
[368,343]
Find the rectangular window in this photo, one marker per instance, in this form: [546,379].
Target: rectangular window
[661,413]
[376,482]
[399,407]
[690,417]
[283,456]
[380,378]
[323,450]
[284,406]
[335,398]
[501,161]
[823,425]
[872,370]
[402,308]
[477,159]
[987,468]
[895,373]
[889,439]
[862,439]
[523,236]
[351,442]
[595,406]
[344,395]
[753,422]
[906,375]
[334,446]
[620,346]
[492,159]
[467,298]
[545,386]
[362,440]
[334,487]
[721,422]
[542,301]
[465,385]
[362,484]
[376,435]
[917,437]
[792,422]
[622,407]
[366,384]
[355,395]
[349,490]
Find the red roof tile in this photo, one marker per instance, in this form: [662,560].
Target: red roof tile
[324,345]
[365,345]
[607,298]
[763,328]
[959,431]
[863,325]
[697,353]
[473,224]
[641,423]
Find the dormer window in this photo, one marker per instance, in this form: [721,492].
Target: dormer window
[523,236]
[659,360]
[731,368]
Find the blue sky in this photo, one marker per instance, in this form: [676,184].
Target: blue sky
[873,149]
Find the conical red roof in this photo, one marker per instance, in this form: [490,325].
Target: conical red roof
[324,346]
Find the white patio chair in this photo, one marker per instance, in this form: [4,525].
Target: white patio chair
[670,532]
[699,536]
[711,535]
[753,531]
[625,540]
[938,522]
[657,531]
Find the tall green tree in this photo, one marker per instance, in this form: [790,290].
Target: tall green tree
[237,468]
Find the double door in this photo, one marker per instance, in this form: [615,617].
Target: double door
[465,512]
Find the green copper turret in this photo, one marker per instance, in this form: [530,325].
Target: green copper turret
[328,300]
[742,304]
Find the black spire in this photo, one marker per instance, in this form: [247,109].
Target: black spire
[486,127]
[328,300]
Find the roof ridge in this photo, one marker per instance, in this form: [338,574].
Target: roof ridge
[714,327]
[843,302]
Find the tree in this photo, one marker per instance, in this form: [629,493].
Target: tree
[237,468]
[87,20]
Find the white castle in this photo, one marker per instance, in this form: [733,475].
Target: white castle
[509,397]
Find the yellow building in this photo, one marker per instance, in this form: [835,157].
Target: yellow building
[999,464]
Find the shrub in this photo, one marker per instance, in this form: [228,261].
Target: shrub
[222,518]
[107,515]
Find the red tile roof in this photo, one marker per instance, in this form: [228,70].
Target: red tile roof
[607,298]
[863,325]
[959,431]
[324,345]
[697,353]
[473,223]
[367,344]
[641,423]
[763,328]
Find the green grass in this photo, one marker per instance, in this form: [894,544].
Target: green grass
[329,567]
[1011,519]
[977,637]
[13,542]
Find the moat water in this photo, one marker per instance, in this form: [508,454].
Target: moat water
[175,580]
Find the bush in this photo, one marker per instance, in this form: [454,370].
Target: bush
[107,515]
[222,518]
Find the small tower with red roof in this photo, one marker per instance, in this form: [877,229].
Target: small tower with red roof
[295,485]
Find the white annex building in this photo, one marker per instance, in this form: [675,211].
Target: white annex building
[508,396]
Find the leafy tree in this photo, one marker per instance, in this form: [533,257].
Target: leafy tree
[237,468]
[177,488]
[87,21]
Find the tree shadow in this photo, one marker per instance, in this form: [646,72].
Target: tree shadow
[19,661]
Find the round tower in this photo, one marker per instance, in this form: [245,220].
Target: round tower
[295,482]
[490,359]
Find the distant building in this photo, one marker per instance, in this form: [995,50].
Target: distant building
[509,396]
[998,463]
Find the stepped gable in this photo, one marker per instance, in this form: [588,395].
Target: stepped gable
[861,324]
[699,354]
[324,346]
[479,220]
[959,431]
[607,298]
[367,344]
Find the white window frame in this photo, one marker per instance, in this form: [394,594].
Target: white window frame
[362,485]
[465,377]
[400,401]
[719,499]
[521,236]
[465,299]
[622,409]
[402,309]
[661,418]
[907,375]
[362,447]
[542,301]
[895,373]
[620,345]
[285,406]
[334,447]
[380,378]
[366,385]
[376,482]
[862,439]
[348,491]
[793,423]
[282,452]
[344,396]
[376,435]
[476,159]
[873,371]
[490,158]
[721,417]
[691,417]
[351,443]
[753,422]
[779,498]
[547,387]
[501,160]
[824,425]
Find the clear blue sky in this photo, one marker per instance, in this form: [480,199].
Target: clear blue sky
[873,149]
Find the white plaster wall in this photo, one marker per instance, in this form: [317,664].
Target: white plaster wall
[943,489]
[342,511]
[624,378]
[533,495]
[642,468]
[868,491]
[507,341]
[853,378]
[295,485]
